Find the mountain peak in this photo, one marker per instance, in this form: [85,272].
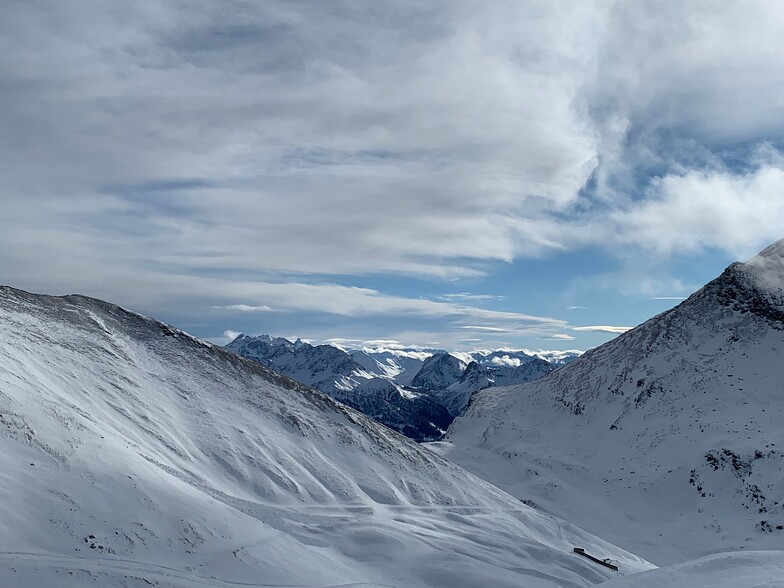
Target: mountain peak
[439,371]
[766,269]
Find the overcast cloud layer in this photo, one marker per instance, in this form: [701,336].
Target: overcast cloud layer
[233,158]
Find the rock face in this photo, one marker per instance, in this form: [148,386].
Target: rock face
[669,437]
[134,455]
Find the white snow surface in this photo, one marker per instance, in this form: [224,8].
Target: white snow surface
[753,569]
[133,455]
[667,440]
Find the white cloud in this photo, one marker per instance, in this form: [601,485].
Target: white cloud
[562,336]
[231,335]
[602,328]
[379,149]
[469,297]
[247,308]
[717,209]
[154,152]
[506,360]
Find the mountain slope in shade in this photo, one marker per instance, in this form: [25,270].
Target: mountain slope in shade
[668,438]
[133,455]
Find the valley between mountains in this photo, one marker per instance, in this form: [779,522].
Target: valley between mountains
[133,454]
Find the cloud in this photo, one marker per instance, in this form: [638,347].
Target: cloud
[603,328]
[715,208]
[667,298]
[562,336]
[247,308]
[484,328]
[262,155]
[231,335]
[576,308]
[283,120]
[468,297]
[506,361]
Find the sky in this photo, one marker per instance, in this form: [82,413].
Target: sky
[452,174]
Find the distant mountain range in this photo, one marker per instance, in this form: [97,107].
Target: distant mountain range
[415,392]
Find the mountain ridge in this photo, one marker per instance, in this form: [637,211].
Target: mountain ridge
[686,406]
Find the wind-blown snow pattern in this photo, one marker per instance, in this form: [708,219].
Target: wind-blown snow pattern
[668,439]
[133,455]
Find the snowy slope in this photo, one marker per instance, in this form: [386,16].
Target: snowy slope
[133,455]
[753,569]
[667,439]
[360,381]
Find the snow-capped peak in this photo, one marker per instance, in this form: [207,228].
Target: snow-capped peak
[438,372]
[671,430]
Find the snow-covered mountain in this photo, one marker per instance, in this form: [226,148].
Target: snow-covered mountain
[450,381]
[417,393]
[339,374]
[439,371]
[132,455]
[399,364]
[476,377]
[669,438]
[324,367]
